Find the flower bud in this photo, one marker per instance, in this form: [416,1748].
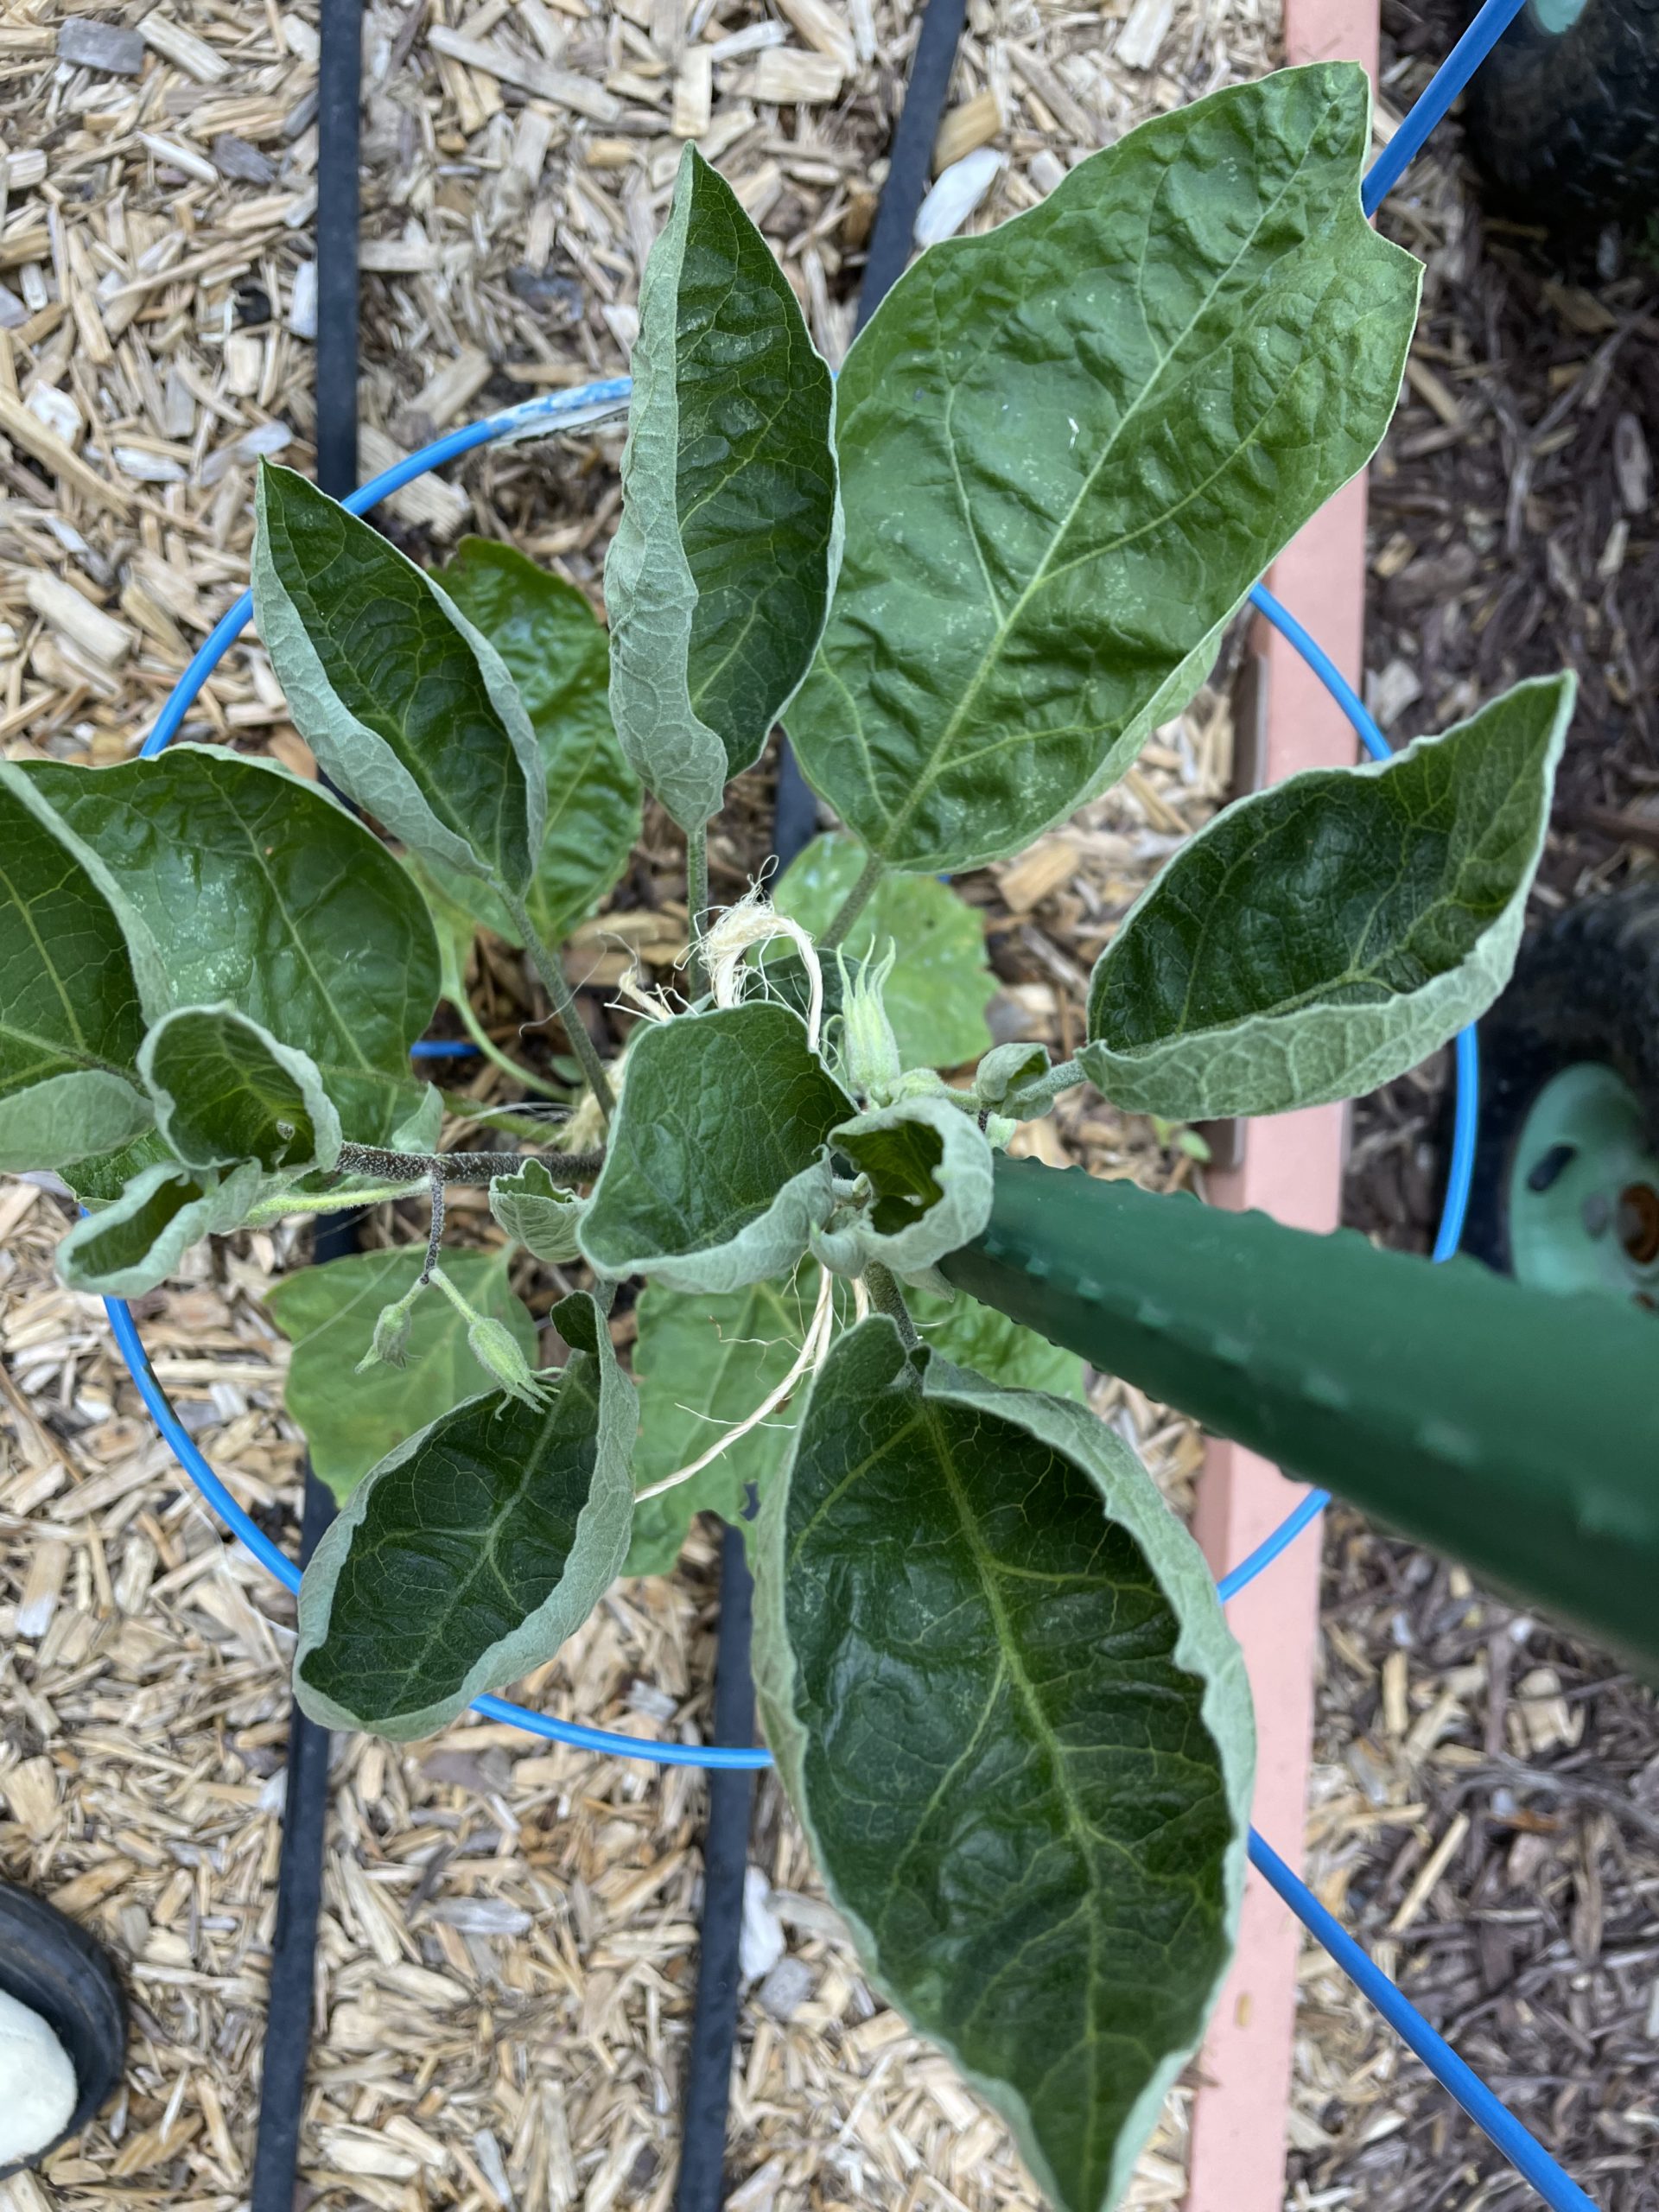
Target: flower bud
[389,1346]
[495,1348]
[869,1051]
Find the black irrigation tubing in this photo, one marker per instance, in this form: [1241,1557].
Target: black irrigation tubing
[299,1881]
[701,2186]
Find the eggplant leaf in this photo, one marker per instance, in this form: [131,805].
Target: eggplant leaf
[941,981]
[261,891]
[1069,447]
[716,1171]
[137,1241]
[225,1091]
[403,703]
[1321,937]
[720,574]
[78,975]
[555,649]
[1004,1702]
[538,1213]
[352,1420]
[469,1555]
[703,1363]
[930,1167]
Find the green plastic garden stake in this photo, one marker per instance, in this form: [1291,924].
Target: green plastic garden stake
[1517,1430]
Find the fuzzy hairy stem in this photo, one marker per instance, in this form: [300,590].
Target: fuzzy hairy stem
[887,1298]
[564,1004]
[696,899]
[289,1203]
[462,1167]
[854,904]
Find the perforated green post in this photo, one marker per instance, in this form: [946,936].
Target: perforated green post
[1517,1431]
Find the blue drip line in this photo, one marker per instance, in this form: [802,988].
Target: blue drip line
[549,412]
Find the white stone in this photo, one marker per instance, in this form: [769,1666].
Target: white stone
[40,2082]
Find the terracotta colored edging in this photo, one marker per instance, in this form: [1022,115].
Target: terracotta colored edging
[1291,1168]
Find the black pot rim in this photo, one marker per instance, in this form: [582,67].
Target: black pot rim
[63,1973]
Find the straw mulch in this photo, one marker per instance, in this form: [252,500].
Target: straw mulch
[508,1946]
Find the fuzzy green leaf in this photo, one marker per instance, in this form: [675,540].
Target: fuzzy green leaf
[1069,447]
[351,1420]
[1005,1704]
[930,1167]
[554,650]
[1321,937]
[71,1002]
[720,574]
[959,1329]
[135,1243]
[704,1363]
[941,981]
[467,1556]
[262,893]
[225,1091]
[716,1171]
[406,706]
[538,1213]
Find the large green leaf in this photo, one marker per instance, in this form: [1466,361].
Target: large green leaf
[261,891]
[225,1091]
[556,651]
[997,1681]
[407,707]
[1069,447]
[716,1171]
[941,981]
[720,574]
[703,1363]
[1321,937]
[352,1420]
[928,1166]
[468,1556]
[135,1243]
[72,1002]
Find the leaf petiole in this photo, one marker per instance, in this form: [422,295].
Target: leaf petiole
[887,1298]
[696,900]
[564,1004]
[854,904]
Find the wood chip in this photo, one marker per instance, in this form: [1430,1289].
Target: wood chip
[560,85]
[182,47]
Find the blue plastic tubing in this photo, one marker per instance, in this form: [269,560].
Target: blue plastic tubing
[557,410]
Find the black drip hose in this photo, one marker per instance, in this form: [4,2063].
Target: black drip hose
[299,1880]
[701,2186]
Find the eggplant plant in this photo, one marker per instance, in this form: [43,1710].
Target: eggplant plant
[968,575]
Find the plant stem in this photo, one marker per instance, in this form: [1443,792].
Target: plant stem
[463,1166]
[288,1203]
[887,1298]
[854,904]
[564,1004]
[492,1051]
[696,899]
